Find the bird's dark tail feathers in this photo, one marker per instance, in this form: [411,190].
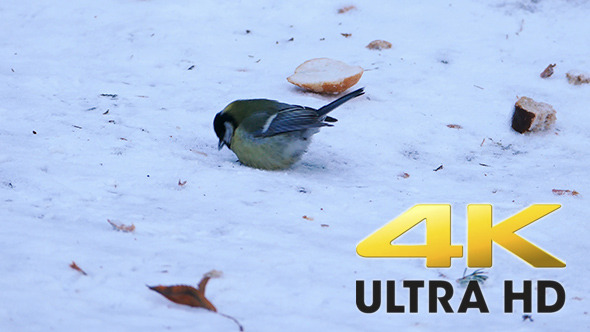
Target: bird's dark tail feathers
[328,108]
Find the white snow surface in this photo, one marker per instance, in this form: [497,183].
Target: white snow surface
[73,155]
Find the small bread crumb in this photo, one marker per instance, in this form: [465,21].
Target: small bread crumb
[379,45]
[530,115]
[577,78]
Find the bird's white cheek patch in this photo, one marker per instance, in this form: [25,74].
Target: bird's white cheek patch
[229,131]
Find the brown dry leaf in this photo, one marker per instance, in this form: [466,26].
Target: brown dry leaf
[548,71]
[77,268]
[184,294]
[194,297]
[189,295]
[346,35]
[121,227]
[307,218]
[404,175]
[455,126]
[345,9]
[379,45]
[561,192]
[181,183]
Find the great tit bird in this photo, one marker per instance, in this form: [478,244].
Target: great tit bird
[271,135]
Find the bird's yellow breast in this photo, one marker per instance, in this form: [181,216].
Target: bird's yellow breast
[270,153]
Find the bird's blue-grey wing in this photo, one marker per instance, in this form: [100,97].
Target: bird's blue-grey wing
[293,118]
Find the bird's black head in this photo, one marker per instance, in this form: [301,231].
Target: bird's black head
[224,125]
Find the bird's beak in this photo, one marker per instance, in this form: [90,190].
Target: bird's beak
[220,145]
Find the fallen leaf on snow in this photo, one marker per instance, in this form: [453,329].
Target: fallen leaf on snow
[189,295]
[184,294]
[404,175]
[181,183]
[346,35]
[121,227]
[345,9]
[307,218]
[455,126]
[77,268]
[561,192]
[548,71]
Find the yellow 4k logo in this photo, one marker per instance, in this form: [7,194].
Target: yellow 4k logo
[438,249]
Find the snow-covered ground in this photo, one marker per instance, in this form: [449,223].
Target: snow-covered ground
[72,155]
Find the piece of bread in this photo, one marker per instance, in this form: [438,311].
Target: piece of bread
[379,45]
[323,75]
[530,115]
[577,78]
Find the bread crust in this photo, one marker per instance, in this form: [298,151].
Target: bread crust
[330,67]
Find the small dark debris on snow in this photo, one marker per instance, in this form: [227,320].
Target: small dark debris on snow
[34,132]
[77,268]
[248,31]
[529,317]
[91,109]
[291,39]
[484,165]
[106,112]
[110,95]
[346,35]
[478,275]
[191,67]
[12,69]
[438,168]
[548,71]
[77,127]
